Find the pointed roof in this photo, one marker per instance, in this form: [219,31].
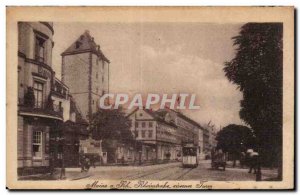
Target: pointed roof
[85,43]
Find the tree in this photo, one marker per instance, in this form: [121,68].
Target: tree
[257,70]
[235,139]
[111,124]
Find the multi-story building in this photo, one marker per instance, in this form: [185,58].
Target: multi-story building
[209,139]
[65,139]
[44,104]
[206,141]
[38,115]
[162,133]
[190,130]
[157,139]
[85,70]
[212,137]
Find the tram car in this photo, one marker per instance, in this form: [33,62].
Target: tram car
[189,156]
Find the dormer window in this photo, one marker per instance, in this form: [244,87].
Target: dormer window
[78,43]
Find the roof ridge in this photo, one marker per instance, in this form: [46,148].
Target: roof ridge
[85,43]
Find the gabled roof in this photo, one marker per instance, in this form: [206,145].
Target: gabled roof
[165,111]
[85,43]
[155,116]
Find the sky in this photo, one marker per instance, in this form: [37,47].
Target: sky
[165,58]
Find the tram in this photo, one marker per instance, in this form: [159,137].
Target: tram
[189,155]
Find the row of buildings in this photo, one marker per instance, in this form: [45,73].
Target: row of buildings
[53,114]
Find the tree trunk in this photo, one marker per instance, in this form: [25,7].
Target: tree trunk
[279,173]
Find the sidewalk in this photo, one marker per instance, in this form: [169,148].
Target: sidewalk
[73,174]
[266,173]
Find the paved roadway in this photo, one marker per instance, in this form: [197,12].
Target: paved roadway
[174,171]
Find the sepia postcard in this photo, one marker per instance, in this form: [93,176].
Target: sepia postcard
[143,98]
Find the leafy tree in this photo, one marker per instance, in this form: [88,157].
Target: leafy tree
[257,70]
[235,139]
[111,124]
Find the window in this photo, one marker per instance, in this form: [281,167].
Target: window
[93,102]
[96,75]
[60,106]
[103,66]
[150,124]
[103,92]
[143,124]
[136,124]
[37,144]
[141,114]
[143,133]
[39,48]
[38,89]
[97,90]
[150,133]
[78,44]
[102,79]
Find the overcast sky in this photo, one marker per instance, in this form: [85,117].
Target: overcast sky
[165,58]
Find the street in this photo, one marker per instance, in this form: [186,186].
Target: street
[170,171]
[174,171]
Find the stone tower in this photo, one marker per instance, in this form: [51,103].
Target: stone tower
[85,70]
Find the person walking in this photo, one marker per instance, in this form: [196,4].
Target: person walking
[253,161]
[81,160]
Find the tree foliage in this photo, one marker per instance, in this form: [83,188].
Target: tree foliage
[235,138]
[111,124]
[257,70]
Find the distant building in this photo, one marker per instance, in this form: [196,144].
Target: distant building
[210,141]
[85,70]
[206,142]
[190,130]
[158,139]
[212,137]
[161,134]
[73,132]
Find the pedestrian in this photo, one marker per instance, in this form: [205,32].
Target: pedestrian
[87,164]
[92,160]
[81,160]
[253,161]
[242,159]
[63,170]
[95,160]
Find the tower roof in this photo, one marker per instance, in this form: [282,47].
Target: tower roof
[85,43]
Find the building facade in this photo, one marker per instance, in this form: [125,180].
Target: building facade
[157,140]
[190,131]
[85,70]
[38,116]
[162,133]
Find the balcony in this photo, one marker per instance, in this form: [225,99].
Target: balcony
[42,109]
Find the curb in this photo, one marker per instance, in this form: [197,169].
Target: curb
[82,177]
